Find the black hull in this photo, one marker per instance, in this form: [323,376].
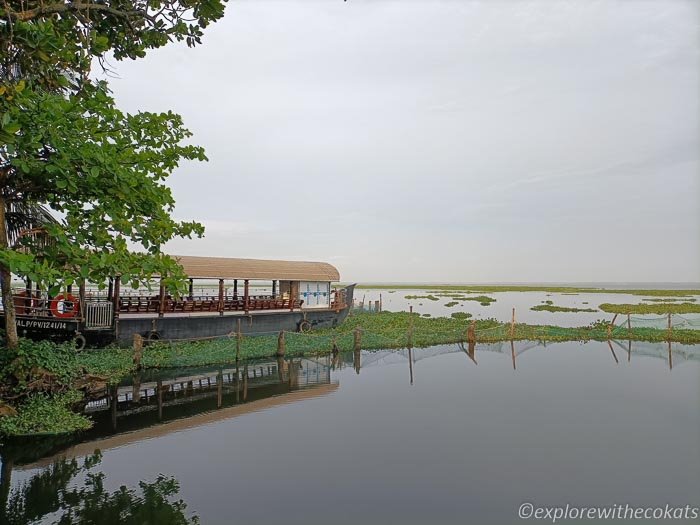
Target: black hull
[183,328]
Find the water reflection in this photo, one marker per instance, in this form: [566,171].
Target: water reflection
[524,442]
[157,397]
[72,492]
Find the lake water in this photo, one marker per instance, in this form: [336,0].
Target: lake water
[396,301]
[434,435]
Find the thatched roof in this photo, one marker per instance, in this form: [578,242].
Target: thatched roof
[228,268]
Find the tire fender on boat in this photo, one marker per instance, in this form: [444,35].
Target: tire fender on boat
[79,341]
[304,326]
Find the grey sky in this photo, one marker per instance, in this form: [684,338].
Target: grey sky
[441,140]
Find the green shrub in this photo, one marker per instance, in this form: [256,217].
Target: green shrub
[45,414]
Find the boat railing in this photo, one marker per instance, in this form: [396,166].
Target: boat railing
[39,303]
[206,303]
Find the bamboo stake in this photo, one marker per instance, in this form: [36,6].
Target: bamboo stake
[410,326]
[238,338]
[629,327]
[280,344]
[669,327]
[613,352]
[470,332]
[138,347]
[356,342]
[612,323]
[512,324]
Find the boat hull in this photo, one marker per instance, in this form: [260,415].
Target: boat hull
[187,327]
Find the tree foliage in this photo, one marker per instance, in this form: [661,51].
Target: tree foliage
[104,171]
[66,147]
[54,494]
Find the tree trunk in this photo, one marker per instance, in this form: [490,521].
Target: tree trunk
[6,281]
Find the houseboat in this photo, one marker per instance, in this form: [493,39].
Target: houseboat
[299,297]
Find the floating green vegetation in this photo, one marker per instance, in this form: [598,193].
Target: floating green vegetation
[426,315]
[451,304]
[670,299]
[41,409]
[430,297]
[552,289]
[45,414]
[548,302]
[660,309]
[570,293]
[391,291]
[549,307]
[483,300]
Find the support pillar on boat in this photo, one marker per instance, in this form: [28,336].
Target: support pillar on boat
[221,297]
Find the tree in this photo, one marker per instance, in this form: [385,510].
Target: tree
[65,145]
[68,492]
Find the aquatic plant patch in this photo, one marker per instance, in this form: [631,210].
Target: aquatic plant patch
[552,289]
[670,299]
[430,297]
[658,308]
[45,414]
[552,308]
[483,300]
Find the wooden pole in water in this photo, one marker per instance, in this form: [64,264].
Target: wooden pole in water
[377,306]
[113,399]
[280,344]
[512,353]
[245,383]
[159,398]
[334,347]
[629,327]
[380,302]
[470,332]
[238,338]
[669,328]
[670,356]
[136,387]
[613,352]
[357,341]
[612,323]
[138,347]
[219,388]
[512,324]
[410,325]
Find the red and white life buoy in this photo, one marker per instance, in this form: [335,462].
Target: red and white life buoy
[69,306]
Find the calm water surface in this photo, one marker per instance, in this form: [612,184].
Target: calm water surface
[440,435]
[396,301]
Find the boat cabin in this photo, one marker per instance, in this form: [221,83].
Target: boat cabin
[218,287]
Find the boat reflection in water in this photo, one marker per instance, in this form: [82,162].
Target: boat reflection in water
[153,403]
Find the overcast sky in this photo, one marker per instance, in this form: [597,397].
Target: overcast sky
[449,141]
